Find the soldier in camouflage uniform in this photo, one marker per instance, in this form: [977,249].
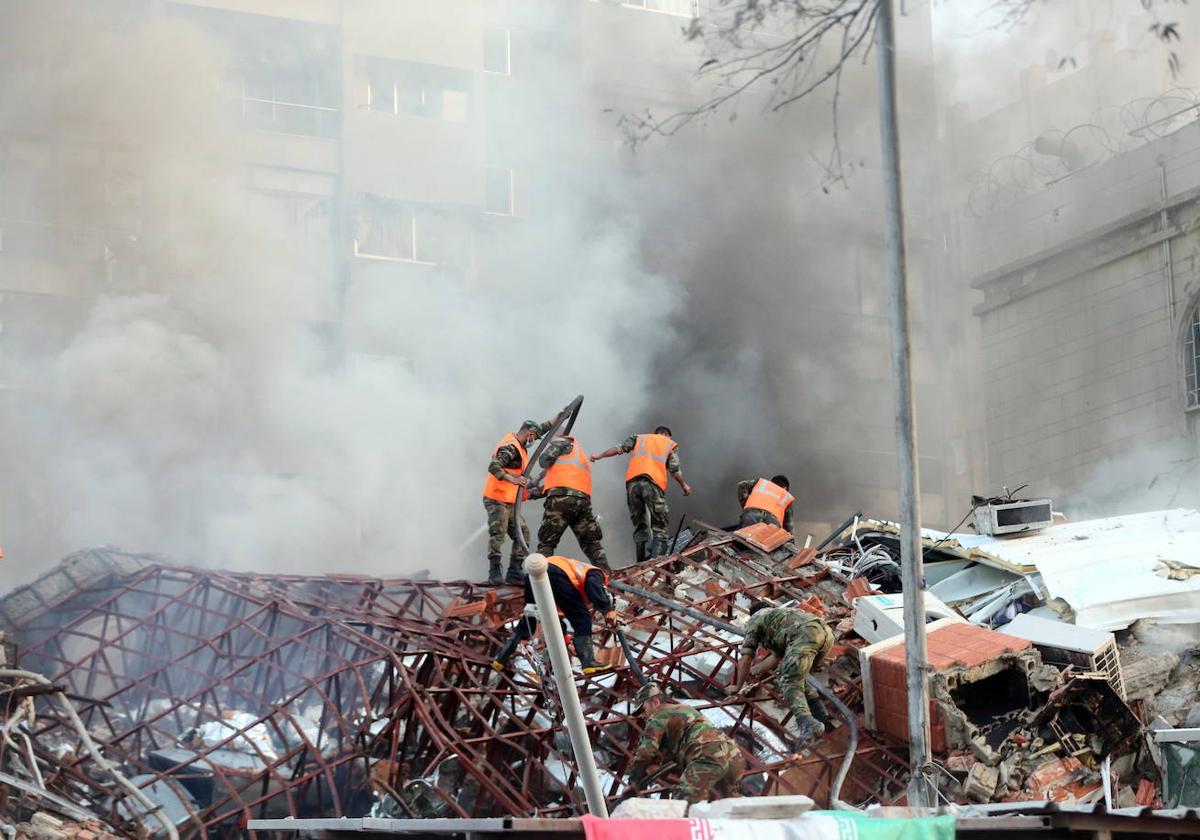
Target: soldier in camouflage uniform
[707,758]
[499,496]
[653,458]
[797,641]
[567,488]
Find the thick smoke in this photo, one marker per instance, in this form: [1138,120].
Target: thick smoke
[196,411]
[211,407]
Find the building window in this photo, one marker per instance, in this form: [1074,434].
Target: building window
[496,51]
[283,103]
[417,90]
[1191,359]
[388,230]
[498,191]
[413,233]
[683,8]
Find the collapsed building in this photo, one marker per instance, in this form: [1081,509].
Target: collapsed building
[223,697]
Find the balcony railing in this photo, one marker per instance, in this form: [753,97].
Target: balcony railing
[291,117]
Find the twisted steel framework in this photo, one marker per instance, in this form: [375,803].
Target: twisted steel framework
[327,693]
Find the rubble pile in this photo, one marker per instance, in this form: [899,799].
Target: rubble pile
[222,697]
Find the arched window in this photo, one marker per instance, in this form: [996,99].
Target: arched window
[1191,359]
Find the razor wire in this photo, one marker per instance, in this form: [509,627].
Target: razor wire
[1057,154]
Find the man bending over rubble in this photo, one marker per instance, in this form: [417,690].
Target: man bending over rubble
[575,585]
[797,641]
[767,501]
[652,458]
[500,489]
[707,756]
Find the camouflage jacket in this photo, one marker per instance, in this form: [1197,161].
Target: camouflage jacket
[554,449]
[674,733]
[508,455]
[743,491]
[775,628]
[626,446]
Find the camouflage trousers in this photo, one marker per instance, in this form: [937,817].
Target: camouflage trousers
[803,652]
[753,516]
[647,498]
[574,512]
[502,523]
[718,765]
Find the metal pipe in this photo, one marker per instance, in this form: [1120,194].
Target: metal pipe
[634,668]
[567,415]
[835,789]
[850,520]
[911,561]
[94,751]
[535,568]
[1164,221]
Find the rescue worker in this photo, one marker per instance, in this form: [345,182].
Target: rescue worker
[652,459]
[708,758]
[575,585]
[797,641]
[567,488]
[504,481]
[767,501]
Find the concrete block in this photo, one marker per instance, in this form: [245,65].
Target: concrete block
[1148,675]
[650,809]
[980,784]
[752,808]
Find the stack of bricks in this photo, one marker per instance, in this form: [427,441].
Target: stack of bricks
[949,645]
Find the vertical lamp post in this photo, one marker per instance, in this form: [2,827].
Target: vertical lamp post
[911,560]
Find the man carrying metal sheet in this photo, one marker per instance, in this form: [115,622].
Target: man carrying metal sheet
[709,759]
[652,458]
[797,641]
[578,587]
[567,488]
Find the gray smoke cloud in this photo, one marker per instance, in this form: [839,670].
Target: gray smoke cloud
[195,412]
[201,409]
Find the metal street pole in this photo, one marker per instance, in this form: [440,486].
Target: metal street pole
[911,560]
[536,567]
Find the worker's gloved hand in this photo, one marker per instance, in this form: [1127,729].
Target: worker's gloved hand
[519,480]
[536,491]
[611,617]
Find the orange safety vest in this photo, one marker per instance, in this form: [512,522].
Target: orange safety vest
[649,458]
[769,496]
[571,470]
[504,491]
[576,570]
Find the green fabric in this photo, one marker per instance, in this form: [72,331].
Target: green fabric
[1182,765]
[852,824]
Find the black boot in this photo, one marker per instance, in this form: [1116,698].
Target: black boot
[506,652]
[817,706]
[515,576]
[587,656]
[495,576]
[641,551]
[658,548]
[807,730]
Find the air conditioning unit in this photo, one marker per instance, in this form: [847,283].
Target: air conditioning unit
[1067,645]
[879,617]
[995,518]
